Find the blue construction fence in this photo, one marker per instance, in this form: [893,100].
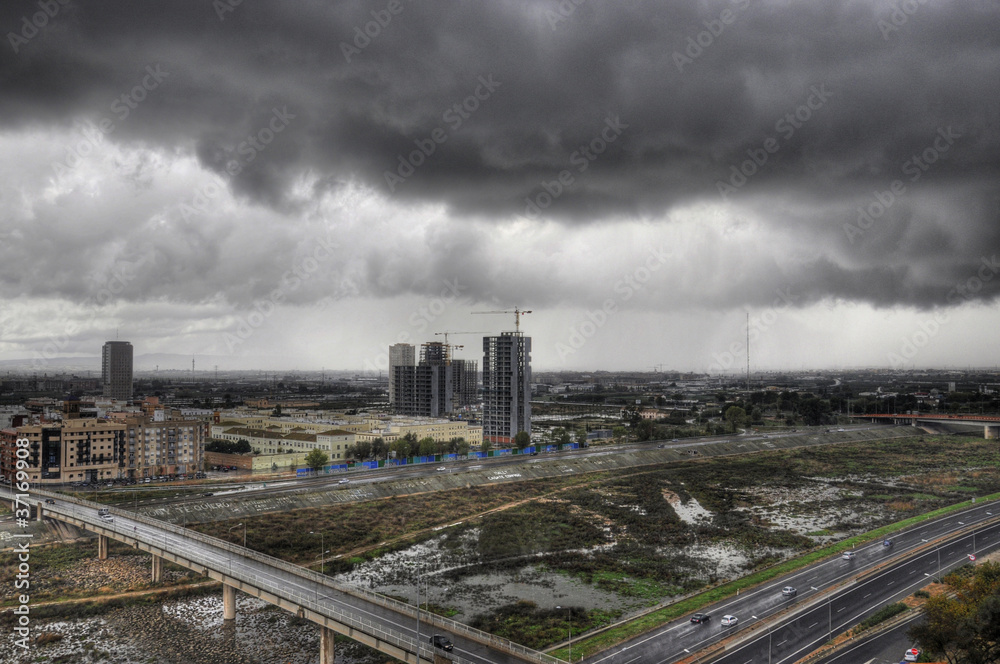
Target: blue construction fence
[433,458]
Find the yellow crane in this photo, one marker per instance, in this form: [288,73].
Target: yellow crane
[517,316]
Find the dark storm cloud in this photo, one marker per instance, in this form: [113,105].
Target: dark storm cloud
[516,99]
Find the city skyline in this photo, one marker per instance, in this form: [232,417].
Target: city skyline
[283,188]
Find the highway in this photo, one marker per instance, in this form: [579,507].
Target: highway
[814,616]
[885,647]
[291,586]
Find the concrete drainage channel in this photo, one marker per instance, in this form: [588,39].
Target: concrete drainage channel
[546,466]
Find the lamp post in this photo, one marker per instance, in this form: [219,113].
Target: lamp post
[419,577]
[569,630]
[321,548]
[244,532]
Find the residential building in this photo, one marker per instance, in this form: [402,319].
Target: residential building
[76,450]
[400,355]
[506,386]
[437,386]
[116,369]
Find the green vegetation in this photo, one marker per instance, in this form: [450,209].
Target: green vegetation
[964,626]
[883,614]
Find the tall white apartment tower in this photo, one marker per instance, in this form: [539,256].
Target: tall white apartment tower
[400,355]
[116,369]
[506,386]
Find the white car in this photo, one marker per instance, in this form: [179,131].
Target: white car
[442,468]
[911,655]
[107,517]
[729,621]
[344,481]
[848,555]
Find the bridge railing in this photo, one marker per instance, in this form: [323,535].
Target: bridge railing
[453,626]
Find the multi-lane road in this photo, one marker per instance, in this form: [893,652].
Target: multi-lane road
[815,612]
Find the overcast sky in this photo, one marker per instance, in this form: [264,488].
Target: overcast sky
[300,184]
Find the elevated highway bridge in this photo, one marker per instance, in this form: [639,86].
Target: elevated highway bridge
[390,626]
[990,423]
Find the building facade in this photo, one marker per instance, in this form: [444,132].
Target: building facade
[400,355]
[437,386]
[77,450]
[506,386]
[116,369]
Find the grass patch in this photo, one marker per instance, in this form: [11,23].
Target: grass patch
[879,616]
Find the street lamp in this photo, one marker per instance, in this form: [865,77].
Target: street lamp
[569,629]
[321,548]
[244,532]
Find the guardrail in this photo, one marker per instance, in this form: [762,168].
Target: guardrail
[324,581]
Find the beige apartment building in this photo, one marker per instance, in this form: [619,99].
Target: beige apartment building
[75,450]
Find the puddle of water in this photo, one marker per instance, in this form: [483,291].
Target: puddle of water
[690,512]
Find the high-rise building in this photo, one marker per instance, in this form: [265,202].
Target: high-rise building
[506,386]
[116,369]
[400,355]
[435,387]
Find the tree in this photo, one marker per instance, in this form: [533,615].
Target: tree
[486,446]
[562,436]
[964,628]
[522,440]
[317,458]
[379,448]
[277,411]
[736,417]
[426,446]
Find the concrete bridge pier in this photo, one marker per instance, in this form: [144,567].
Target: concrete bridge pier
[991,431]
[326,645]
[102,547]
[38,511]
[228,602]
[157,575]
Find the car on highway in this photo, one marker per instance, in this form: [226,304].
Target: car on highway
[344,481]
[700,618]
[107,517]
[848,555]
[911,655]
[442,468]
[887,543]
[789,591]
[207,494]
[49,501]
[443,642]
[729,621]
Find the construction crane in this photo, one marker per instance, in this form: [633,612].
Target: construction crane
[517,316]
[448,346]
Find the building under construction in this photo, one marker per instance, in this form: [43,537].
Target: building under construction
[506,386]
[437,386]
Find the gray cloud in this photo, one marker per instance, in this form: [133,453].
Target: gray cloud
[559,83]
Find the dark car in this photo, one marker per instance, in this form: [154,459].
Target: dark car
[49,501]
[441,641]
[700,618]
[207,494]
[534,454]
[887,543]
